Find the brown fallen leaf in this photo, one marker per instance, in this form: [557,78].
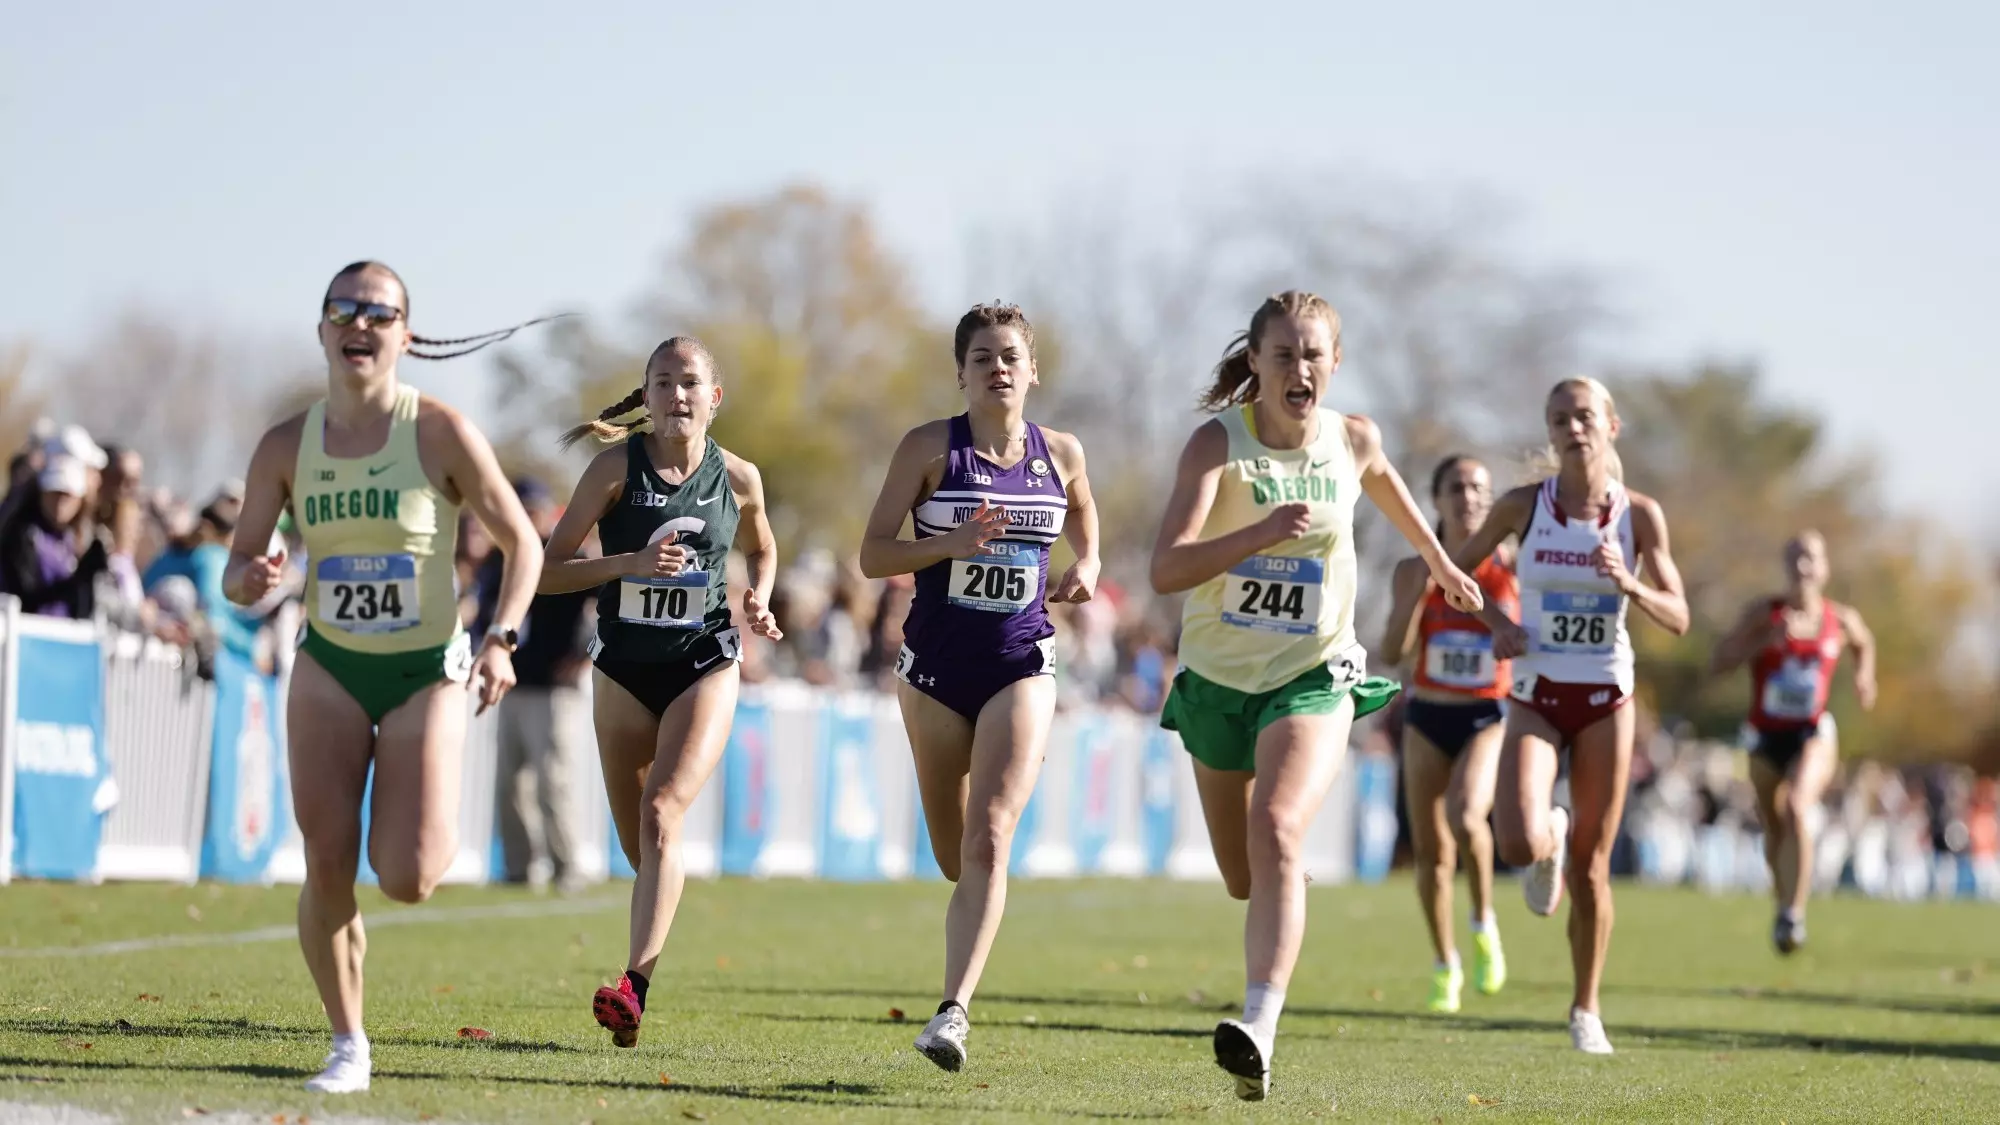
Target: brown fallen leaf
[721,963]
[602,1104]
[691,1115]
[76,1044]
[896,1014]
[474,1033]
[1475,1099]
[492,1093]
[149,997]
[666,1079]
[277,1119]
[982,1086]
[444,988]
[1375,994]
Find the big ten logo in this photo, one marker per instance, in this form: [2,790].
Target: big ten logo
[1271,566]
[974,476]
[55,749]
[364,564]
[649,499]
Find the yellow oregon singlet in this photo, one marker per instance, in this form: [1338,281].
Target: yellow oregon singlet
[1277,614]
[379,540]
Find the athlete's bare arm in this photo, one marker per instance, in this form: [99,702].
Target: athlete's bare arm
[602,483]
[1663,600]
[1408,585]
[755,541]
[1079,583]
[914,472]
[267,488]
[1181,559]
[1509,517]
[1384,486]
[1861,642]
[1751,632]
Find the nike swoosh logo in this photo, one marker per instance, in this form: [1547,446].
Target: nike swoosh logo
[700,664]
[1316,466]
[378,470]
[698,504]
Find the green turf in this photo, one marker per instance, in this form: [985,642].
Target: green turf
[775,998]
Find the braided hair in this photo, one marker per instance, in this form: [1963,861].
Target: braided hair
[428,347]
[627,416]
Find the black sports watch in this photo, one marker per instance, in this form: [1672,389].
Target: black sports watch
[509,639]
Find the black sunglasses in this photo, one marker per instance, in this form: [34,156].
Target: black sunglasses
[342,312]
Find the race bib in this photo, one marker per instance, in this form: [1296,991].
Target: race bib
[679,601]
[1792,692]
[1460,659]
[369,593]
[1274,594]
[1001,578]
[1577,624]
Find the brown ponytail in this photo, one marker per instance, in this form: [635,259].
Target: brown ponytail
[627,416]
[427,347]
[1234,384]
[607,427]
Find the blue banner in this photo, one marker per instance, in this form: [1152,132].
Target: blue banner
[1091,812]
[62,779]
[1157,815]
[1374,816]
[746,789]
[850,815]
[247,788]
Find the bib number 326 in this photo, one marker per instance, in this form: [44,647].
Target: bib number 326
[1578,623]
[369,593]
[1274,594]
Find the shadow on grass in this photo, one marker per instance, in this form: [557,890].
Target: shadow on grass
[1909,1005]
[207,1027]
[829,1093]
[1040,1025]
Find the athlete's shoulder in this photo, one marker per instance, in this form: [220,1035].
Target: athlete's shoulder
[442,423]
[932,438]
[279,447]
[744,477]
[1209,443]
[1065,449]
[1364,437]
[1516,503]
[1646,512]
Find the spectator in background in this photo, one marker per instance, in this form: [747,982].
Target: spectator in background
[39,559]
[199,554]
[542,719]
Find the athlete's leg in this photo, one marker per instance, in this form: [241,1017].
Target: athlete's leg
[1427,773]
[419,755]
[941,744]
[1298,757]
[330,741]
[1806,786]
[1008,745]
[1779,840]
[1468,809]
[1225,809]
[1525,783]
[1600,766]
[692,735]
[628,736]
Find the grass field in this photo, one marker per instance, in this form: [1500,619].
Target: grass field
[775,1001]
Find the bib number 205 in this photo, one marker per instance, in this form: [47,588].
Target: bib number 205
[1000,579]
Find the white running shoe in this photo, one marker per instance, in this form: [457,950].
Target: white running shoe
[943,1040]
[1543,884]
[1586,1033]
[347,1071]
[1238,1052]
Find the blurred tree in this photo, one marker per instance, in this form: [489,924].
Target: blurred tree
[825,356]
[20,402]
[1738,476]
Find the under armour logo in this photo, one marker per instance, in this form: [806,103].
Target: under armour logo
[1600,698]
[926,681]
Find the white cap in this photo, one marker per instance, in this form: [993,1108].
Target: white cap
[65,474]
[74,441]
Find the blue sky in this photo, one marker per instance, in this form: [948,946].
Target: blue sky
[1807,185]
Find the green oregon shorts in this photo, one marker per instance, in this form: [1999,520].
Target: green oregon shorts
[1220,725]
[384,681]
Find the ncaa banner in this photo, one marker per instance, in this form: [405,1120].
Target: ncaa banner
[850,820]
[247,786]
[1160,758]
[746,789]
[1375,816]
[1092,810]
[61,776]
